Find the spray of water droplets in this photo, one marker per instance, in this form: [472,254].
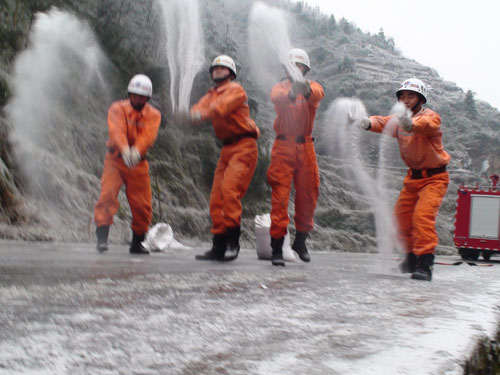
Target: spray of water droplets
[56,80]
[185,48]
[268,45]
[344,121]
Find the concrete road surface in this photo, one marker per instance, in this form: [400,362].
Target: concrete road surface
[67,310]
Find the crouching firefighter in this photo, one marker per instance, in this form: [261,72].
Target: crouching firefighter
[225,105]
[133,126]
[420,145]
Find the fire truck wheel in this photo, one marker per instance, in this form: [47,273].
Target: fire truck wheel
[469,254]
[486,255]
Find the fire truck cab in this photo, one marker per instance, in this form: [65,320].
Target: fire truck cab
[477,221]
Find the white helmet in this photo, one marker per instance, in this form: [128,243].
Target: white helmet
[298,55]
[413,84]
[224,61]
[140,85]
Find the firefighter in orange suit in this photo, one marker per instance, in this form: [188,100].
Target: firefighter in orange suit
[225,105]
[420,145]
[133,126]
[293,158]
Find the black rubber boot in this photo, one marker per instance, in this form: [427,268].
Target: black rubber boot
[217,251]
[232,244]
[299,245]
[136,245]
[424,268]
[277,246]
[409,265]
[101,234]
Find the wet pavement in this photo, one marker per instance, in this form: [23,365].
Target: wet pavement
[66,309]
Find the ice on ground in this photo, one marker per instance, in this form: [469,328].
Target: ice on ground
[171,314]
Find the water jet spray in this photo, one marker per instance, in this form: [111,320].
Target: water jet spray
[269,45]
[57,115]
[184,47]
[345,115]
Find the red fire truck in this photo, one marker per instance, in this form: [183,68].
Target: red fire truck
[477,221]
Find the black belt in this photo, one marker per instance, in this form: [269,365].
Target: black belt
[113,150]
[417,174]
[298,139]
[237,138]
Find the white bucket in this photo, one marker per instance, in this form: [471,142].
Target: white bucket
[263,239]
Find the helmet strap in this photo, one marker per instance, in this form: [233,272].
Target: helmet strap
[418,105]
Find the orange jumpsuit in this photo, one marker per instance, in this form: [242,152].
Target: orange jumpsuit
[424,186]
[293,157]
[128,127]
[226,107]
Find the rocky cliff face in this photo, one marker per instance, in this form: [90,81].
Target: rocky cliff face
[56,203]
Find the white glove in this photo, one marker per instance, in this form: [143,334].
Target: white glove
[135,156]
[303,88]
[405,123]
[195,117]
[365,123]
[126,156]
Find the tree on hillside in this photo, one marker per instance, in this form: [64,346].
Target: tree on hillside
[470,105]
